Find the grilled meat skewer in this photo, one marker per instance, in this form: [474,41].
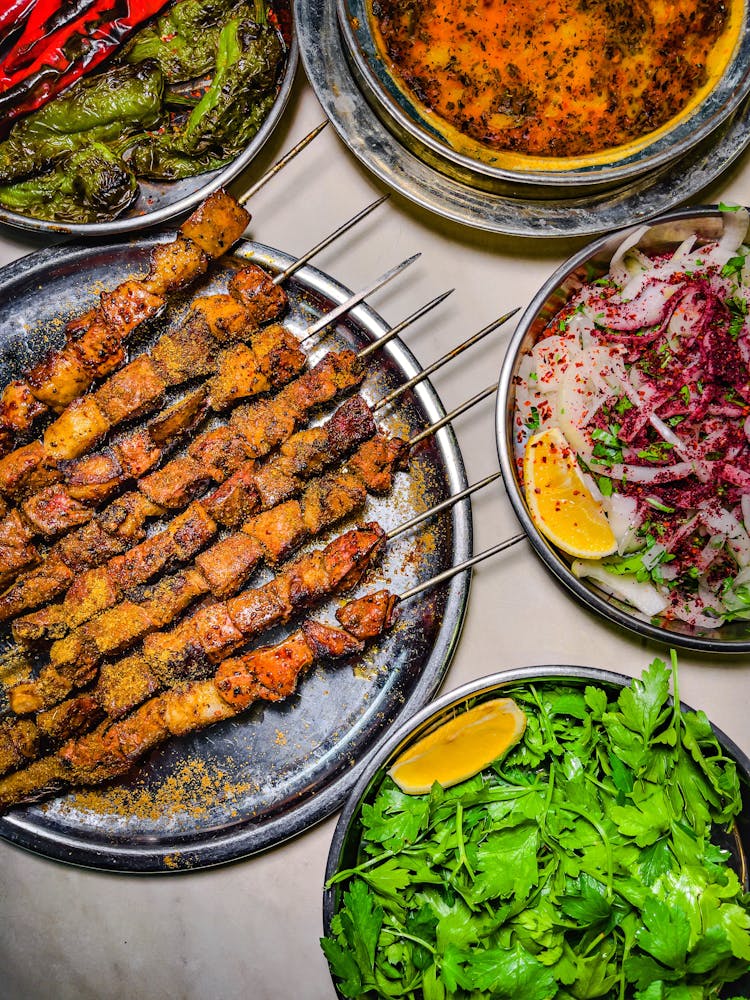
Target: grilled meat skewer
[268,673]
[80,606]
[94,341]
[303,456]
[272,360]
[310,578]
[213,322]
[182,652]
[72,660]
[56,510]
[260,426]
[82,424]
[221,571]
[270,424]
[124,684]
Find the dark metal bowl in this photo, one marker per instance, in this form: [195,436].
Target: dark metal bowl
[344,851]
[160,201]
[589,264]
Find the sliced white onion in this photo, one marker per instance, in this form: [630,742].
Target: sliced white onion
[644,310]
[652,556]
[641,594]
[709,552]
[732,238]
[617,269]
[576,404]
[551,358]
[651,474]
[622,514]
[677,260]
[745,504]
[722,521]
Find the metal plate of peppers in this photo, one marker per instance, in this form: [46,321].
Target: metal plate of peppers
[119,115]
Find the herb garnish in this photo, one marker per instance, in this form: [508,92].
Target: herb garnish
[582,866]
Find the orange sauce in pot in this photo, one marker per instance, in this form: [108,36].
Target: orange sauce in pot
[555,78]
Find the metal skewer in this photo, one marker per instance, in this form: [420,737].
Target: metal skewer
[283,275]
[358,297]
[440,507]
[460,567]
[395,330]
[454,413]
[286,158]
[450,356]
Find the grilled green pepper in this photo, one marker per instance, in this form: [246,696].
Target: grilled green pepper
[228,115]
[89,185]
[184,41]
[102,108]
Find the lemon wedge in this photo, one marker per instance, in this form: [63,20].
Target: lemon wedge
[560,503]
[460,748]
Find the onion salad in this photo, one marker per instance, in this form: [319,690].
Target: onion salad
[646,371]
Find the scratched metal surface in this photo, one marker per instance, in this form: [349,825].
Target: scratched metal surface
[518,210]
[257,780]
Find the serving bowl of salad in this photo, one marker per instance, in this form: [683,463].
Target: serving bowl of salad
[604,855]
[623,427]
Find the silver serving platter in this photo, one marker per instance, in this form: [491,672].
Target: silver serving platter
[160,201]
[520,214]
[410,121]
[253,782]
[344,848]
[587,265]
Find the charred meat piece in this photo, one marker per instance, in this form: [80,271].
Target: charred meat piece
[368,616]
[93,348]
[258,294]
[216,224]
[270,672]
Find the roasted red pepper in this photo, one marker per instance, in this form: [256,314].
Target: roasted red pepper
[61,42]
[12,13]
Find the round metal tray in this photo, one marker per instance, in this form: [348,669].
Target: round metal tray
[160,201]
[324,59]
[253,782]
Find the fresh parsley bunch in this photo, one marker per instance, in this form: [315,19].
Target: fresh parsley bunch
[591,862]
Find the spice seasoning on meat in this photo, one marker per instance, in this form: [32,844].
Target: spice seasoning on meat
[562,78]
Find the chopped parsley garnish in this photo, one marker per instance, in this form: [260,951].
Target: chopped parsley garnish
[656,452]
[622,405]
[534,421]
[738,310]
[733,266]
[658,505]
[633,565]
[608,447]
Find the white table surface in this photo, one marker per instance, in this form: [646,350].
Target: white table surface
[250,930]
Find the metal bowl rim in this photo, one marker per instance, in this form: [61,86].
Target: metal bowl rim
[545,550]
[379,151]
[634,165]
